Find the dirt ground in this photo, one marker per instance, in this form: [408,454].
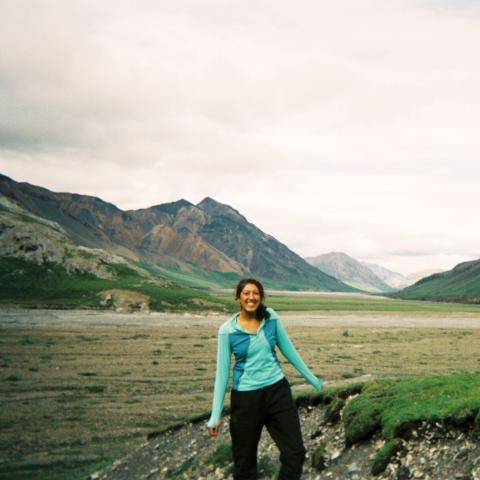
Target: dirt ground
[80,388]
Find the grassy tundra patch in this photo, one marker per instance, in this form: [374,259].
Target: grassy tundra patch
[88,394]
[50,285]
[395,406]
[358,303]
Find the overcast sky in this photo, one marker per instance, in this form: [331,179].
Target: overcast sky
[348,126]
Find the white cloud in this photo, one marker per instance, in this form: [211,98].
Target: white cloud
[332,125]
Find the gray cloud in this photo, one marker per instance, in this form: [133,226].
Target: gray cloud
[334,126]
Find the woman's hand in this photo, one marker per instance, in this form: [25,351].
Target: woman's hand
[214,431]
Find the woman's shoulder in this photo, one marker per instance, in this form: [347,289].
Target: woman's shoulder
[228,326]
[272,314]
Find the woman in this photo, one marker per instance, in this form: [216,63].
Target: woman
[260,393]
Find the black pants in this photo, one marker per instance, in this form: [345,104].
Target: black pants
[273,407]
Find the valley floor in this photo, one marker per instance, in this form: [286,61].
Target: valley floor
[79,389]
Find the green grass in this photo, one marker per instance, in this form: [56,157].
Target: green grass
[395,406]
[50,285]
[28,284]
[182,468]
[196,278]
[385,454]
[207,279]
[222,455]
[319,457]
[299,303]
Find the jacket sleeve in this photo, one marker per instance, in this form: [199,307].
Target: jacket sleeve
[290,352]
[221,378]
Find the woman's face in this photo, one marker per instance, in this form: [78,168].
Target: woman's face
[250,298]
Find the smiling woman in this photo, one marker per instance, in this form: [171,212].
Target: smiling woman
[260,393]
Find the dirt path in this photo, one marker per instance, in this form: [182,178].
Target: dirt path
[13,316]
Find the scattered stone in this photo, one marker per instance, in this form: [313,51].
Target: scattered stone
[461,455]
[354,468]
[402,473]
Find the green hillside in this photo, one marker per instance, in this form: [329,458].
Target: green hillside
[461,284]
[29,284]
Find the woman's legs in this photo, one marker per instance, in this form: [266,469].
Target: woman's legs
[246,423]
[283,425]
[273,407]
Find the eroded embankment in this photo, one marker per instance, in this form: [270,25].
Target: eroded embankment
[425,427]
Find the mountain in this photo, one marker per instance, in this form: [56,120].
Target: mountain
[260,253]
[393,279]
[41,265]
[461,284]
[397,280]
[414,277]
[205,244]
[349,271]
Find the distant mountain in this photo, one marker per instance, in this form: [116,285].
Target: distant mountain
[461,284]
[393,279]
[416,276]
[209,243]
[397,280]
[349,271]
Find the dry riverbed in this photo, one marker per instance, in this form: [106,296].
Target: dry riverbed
[80,388]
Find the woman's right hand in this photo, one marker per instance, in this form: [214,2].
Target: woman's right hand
[214,431]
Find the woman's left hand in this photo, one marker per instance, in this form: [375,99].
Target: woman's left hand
[214,431]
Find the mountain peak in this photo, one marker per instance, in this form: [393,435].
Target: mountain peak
[213,207]
[208,201]
[171,207]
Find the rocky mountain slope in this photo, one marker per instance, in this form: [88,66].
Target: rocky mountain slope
[41,265]
[196,239]
[26,236]
[461,284]
[349,271]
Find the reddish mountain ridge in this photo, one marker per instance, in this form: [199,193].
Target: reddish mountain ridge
[209,236]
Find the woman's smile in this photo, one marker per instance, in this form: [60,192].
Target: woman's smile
[250,297]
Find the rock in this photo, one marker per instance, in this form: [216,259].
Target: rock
[354,468]
[402,473]
[335,455]
[333,413]
[461,455]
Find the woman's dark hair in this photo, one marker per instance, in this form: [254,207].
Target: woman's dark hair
[261,312]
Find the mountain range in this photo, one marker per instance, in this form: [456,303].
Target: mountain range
[47,237]
[349,271]
[397,280]
[207,244]
[365,276]
[461,284]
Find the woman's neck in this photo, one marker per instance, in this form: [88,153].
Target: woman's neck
[247,316]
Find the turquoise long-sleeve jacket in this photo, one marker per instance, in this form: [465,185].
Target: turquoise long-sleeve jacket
[256,363]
